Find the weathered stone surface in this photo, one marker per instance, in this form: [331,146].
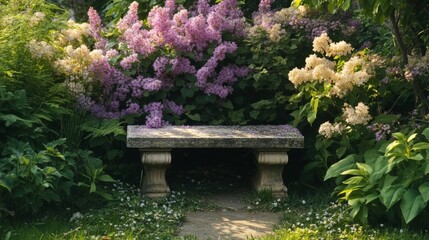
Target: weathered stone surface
[155,164]
[270,169]
[261,136]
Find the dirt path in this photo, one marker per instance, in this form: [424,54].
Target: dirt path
[233,221]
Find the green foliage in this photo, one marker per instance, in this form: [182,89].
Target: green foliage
[29,179]
[271,62]
[391,181]
[22,22]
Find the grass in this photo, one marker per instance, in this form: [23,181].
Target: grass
[306,215]
[127,216]
[315,215]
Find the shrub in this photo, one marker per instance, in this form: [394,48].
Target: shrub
[33,174]
[390,182]
[143,67]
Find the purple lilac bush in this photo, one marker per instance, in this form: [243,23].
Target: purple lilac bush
[176,43]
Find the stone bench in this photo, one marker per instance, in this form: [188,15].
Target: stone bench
[270,143]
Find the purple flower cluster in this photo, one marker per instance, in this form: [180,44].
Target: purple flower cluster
[227,76]
[173,107]
[183,31]
[127,62]
[116,89]
[96,26]
[381,130]
[155,112]
[264,6]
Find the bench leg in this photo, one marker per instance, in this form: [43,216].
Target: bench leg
[155,164]
[270,169]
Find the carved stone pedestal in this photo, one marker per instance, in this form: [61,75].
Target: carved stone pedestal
[270,169]
[155,163]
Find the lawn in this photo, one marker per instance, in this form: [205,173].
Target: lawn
[306,215]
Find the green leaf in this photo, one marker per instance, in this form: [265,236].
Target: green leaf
[411,205]
[312,113]
[340,151]
[4,185]
[254,114]
[105,195]
[9,119]
[50,195]
[393,145]
[297,2]
[195,117]
[355,172]
[228,105]
[412,137]
[337,168]
[417,157]
[426,168]
[420,146]
[424,190]
[102,128]
[383,118]
[391,194]
[360,212]
[354,180]
[371,156]
[371,197]
[345,5]
[399,136]
[426,133]
[365,168]
[93,188]
[106,178]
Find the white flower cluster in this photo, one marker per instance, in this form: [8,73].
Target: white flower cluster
[354,72]
[41,50]
[352,116]
[324,45]
[76,61]
[74,33]
[358,115]
[36,18]
[328,129]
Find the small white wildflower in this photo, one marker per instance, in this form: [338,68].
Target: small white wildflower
[303,202]
[76,216]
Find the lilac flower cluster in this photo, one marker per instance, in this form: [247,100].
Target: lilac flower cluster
[116,89]
[96,26]
[154,118]
[221,86]
[381,130]
[183,31]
